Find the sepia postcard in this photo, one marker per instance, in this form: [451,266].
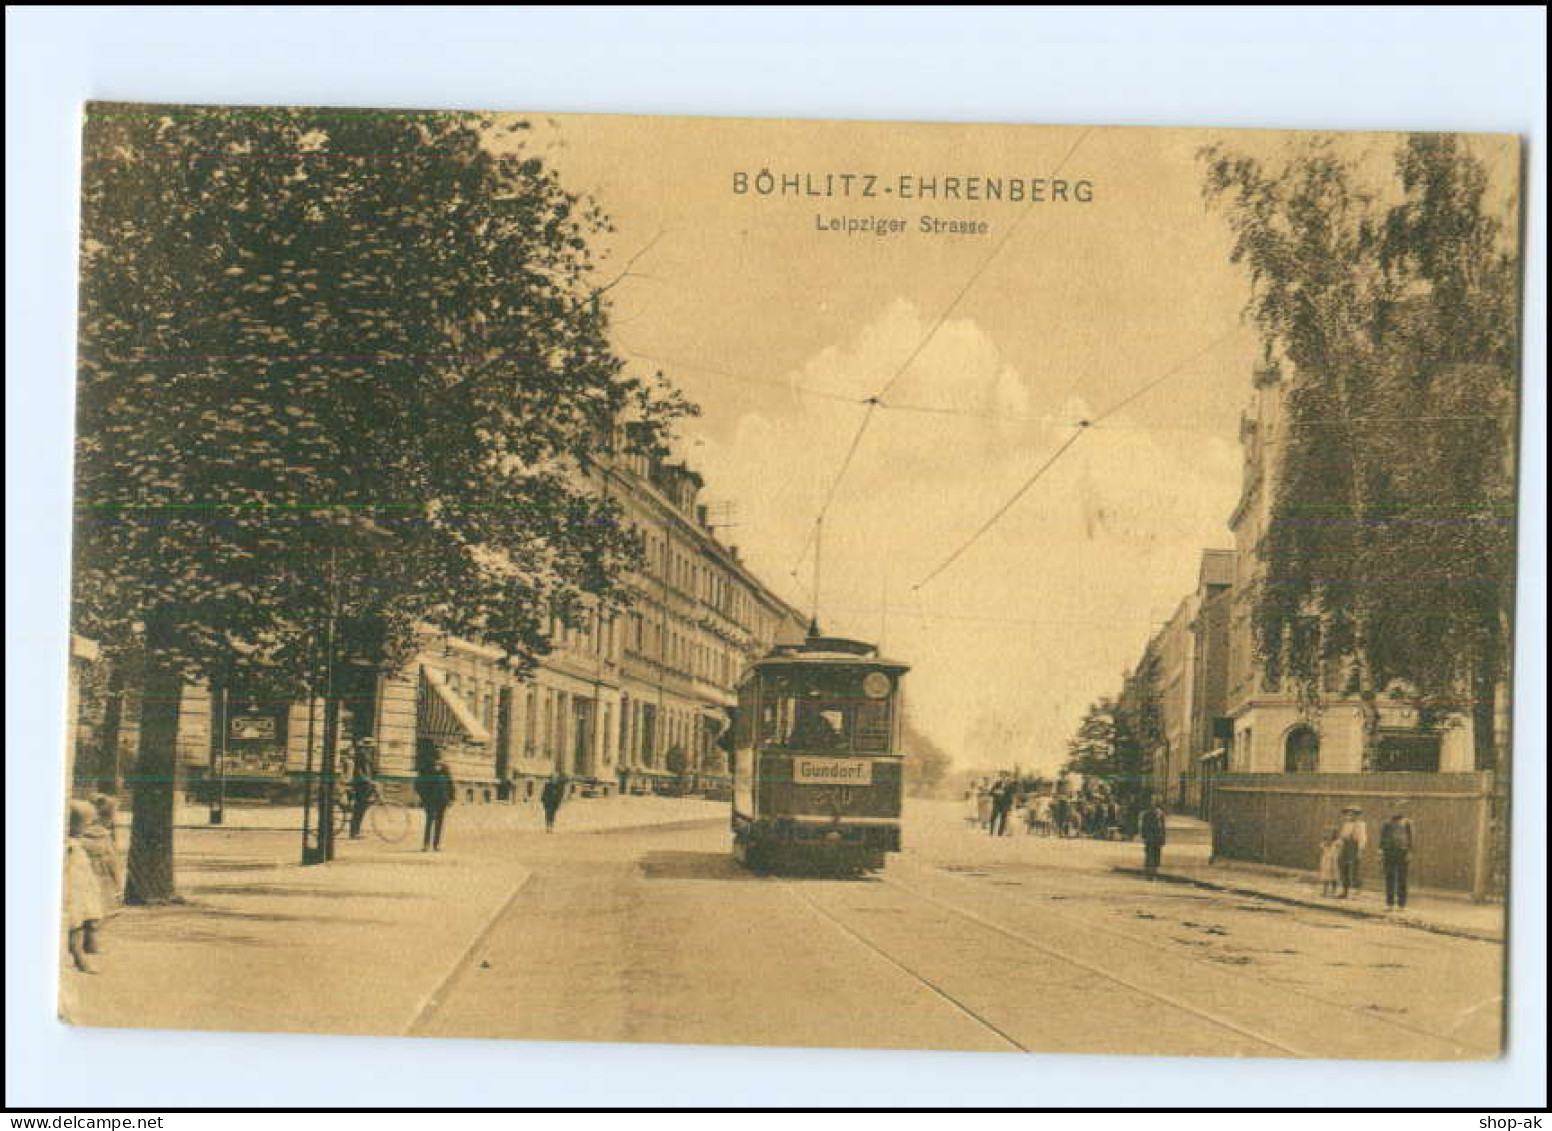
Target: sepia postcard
[793,583]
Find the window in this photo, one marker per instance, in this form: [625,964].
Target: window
[828,711]
[648,734]
[530,719]
[1407,753]
[1301,751]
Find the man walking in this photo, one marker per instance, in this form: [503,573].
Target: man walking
[1002,804]
[436,789]
[1152,839]
[1353,836]
[363,791]
[550,797]
[1396,843]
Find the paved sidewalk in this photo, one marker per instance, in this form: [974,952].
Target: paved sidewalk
[1441,912]
[359,945]
[263,944]
[582,813]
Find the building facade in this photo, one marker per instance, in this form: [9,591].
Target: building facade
[1181,678]
[1299,757]
[635,701]
[1275,729]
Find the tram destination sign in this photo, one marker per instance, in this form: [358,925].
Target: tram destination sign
[832,771]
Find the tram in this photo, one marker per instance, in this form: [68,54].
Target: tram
[817,770]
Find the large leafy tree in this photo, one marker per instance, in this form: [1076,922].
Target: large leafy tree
[1388,311]
[1113,744]
[333,362]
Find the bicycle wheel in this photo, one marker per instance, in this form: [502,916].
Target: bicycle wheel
[390,821]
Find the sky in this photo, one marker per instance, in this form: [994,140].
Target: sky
[988,350]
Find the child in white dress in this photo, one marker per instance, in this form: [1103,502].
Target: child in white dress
[1330,854]
[83,890]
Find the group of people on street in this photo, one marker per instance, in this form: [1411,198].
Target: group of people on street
[94,876]
[1343,846]
[1091,812]
[994,806]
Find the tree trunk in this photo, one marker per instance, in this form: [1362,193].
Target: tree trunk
[108,739]
[151,877]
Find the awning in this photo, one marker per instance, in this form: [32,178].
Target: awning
[445,713]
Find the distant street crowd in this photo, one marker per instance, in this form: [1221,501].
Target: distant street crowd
[1000,805]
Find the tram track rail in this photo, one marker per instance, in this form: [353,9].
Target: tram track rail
[1229,971]
[1169,1000]
[879,952]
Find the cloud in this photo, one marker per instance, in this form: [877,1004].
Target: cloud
[1046,609]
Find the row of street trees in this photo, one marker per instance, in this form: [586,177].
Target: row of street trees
[318,345]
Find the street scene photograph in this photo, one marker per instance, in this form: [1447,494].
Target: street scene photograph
[824,584]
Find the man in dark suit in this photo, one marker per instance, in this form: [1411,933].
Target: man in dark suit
[1152,829]
[1396,842]
[437,790]
[550,797]
[1003,794]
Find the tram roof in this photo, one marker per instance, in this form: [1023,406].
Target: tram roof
[821,651]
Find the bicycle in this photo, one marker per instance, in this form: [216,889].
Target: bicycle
[388,819]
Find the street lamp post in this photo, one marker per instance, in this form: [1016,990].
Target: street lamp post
[318,848]
[218,756]
[322,849]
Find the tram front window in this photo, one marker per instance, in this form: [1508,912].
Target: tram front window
[836,716]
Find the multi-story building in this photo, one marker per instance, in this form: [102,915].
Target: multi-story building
[1181,676]
[1212,729]
[628,701]
[1275,729]
[1299,756]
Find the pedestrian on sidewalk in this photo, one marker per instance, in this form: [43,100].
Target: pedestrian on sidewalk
[102,845]
[983,805]
[437,791]
[1354,836]
[1002,803]
[1330,867]
[1152,839]
[551,797]
[363,790]
[83,890]
[1396,843]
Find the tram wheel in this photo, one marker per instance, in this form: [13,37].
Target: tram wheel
[755,857]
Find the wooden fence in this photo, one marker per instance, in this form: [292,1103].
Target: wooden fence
[1279,819]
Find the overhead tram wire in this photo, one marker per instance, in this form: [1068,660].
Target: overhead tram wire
[1002,510]
[835,483]
[845,398]
[978,272]
[877,400]
[1079,429]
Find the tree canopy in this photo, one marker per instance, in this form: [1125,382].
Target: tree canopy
[348,338]
[1112,741]
[1388,311]
[337,368]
